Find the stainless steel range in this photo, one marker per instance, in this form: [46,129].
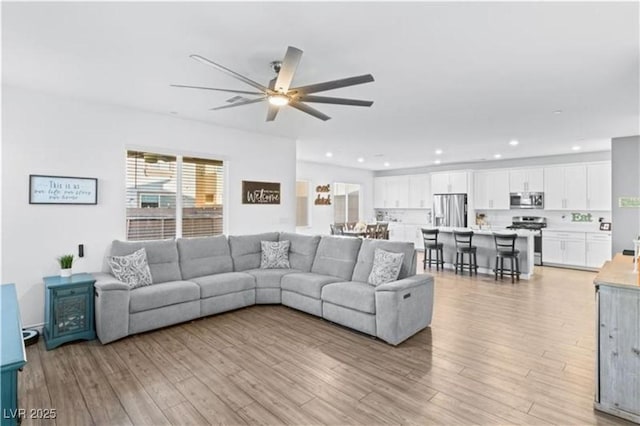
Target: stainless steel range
[532,223]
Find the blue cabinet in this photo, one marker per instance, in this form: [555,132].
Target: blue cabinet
[69,309]
[12,353]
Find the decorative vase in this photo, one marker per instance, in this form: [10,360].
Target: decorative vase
[65,272]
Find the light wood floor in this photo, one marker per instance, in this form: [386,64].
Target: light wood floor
[496,353]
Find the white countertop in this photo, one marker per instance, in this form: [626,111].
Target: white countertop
[519,232]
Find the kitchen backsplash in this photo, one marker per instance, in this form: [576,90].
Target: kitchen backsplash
[555,219]
[421,216]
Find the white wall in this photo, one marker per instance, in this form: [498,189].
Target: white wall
[46,134]
[322,174]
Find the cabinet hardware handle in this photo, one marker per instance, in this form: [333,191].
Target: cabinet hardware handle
[406,296]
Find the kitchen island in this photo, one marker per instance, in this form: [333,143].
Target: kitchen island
[484,241]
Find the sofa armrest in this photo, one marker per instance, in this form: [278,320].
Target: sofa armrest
[403,308]
[111,307]
[105,282]
[405,284]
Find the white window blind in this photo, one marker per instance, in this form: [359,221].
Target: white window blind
[153,188]
[202,195]
[346,201]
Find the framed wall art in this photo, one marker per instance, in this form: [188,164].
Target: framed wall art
[260,192]
[62,190]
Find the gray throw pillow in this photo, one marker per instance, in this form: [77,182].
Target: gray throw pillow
[132,269]
[386,267]
[275,255]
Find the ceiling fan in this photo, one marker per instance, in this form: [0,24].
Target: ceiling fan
[279,93]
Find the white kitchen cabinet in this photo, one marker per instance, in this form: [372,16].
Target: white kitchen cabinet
[599,186]
[526,180]
[598,249]
[491,190]
[391,192]
[565,188]
[380,192]
[450,183]
[420,192]
[564,248]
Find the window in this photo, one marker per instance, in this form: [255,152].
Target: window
[302,203]
[163,188]
[346,201]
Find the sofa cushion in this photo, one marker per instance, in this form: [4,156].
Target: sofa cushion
[386,267]
[229,282]
[269,278]
[204,256]
[336,256]
[367,253]
[275,255]
[302,251]
[131,269]
[246,250]
[307,283]
[162,257]
[352,295]
[160,295]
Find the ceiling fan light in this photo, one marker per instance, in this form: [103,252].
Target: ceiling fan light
[278,100]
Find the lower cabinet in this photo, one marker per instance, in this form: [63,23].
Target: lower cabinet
[407,232]
[578,249]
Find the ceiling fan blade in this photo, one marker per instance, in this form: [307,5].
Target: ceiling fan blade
[235,104]
[336,101]
[288,69]
[335,84]
[312,111]
[244,92]
[272,112]
[231,73]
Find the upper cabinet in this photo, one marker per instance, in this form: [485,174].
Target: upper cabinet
[526,180]
[491,190]
[450,183]
[599,186]
[391,192]
[565,187]
[420,192]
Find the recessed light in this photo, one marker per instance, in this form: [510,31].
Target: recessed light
[438,151]
[437,161]
[497,155]
[386,164]
[514,142]
[360,160]
[576,148]
[329,154]
[558,111]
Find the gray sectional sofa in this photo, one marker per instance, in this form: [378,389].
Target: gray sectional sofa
[196,277]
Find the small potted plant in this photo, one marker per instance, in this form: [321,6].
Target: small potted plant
[66,262]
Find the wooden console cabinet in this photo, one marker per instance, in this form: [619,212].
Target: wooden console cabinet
[618,339]
[12,354]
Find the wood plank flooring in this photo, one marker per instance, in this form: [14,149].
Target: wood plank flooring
[497,353]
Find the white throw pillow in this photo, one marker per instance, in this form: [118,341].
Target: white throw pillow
[386,267]
[275,255]
[132,269]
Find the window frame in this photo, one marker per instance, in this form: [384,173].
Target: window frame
[309,224]
[346,204]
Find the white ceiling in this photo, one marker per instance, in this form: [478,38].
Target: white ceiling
[462,77]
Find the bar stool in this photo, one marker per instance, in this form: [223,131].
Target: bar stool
[430,238]
[464,246]
[506,248]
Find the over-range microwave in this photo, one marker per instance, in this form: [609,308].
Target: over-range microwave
[527,200]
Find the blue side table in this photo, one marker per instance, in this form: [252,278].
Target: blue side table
[69,307]
[12,354]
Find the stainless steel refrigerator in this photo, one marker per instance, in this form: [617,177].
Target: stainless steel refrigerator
[450,210]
